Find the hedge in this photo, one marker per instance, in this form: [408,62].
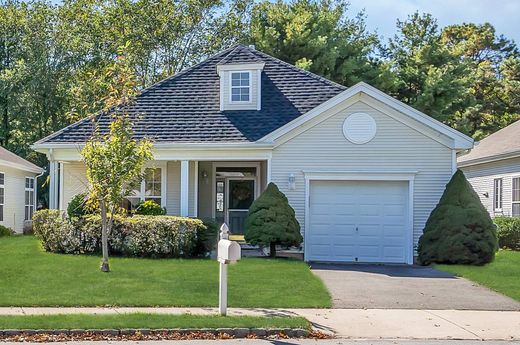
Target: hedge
[508,232]
[145,236]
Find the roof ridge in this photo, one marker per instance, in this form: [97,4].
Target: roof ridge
[310,74]
[231,53]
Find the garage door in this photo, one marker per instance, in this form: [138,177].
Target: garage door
[358,221]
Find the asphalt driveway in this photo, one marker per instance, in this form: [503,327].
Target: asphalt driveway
[406,287]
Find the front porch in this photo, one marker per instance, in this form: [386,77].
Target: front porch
[218,189]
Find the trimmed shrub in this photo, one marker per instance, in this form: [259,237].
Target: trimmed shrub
[459,230]
[5,231]
[79,206]
[207,237]
[149,208]
[146,236]
[508,232]
[56,232]
[271,221]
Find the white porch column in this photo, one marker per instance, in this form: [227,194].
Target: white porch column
[185,179]
[53,184]
[196,189]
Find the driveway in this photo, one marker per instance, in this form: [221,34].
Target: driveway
[406,287]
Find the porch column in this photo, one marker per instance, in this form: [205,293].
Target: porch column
[53,184]
[185,178]
[196,189]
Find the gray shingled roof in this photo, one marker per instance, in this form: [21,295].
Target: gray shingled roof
[10,159]
[503,142]
[186,107]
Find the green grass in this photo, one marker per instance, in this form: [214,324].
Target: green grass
[502,275]
[31,277]
[149,321]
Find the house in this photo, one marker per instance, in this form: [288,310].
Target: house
[362,170]
[493,169]
[17,190]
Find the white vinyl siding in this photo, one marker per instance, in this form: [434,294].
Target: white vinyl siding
[395,147]
[74,182]
[173,200]
[482,176]
[14,197]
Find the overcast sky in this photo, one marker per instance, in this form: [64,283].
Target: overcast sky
[504,15]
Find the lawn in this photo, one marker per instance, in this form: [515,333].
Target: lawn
[149,321]
[502,275]
[32,277]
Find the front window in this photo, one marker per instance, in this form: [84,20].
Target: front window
[240,86]
[2,195]
[497,195]
[149,189]
[29,198]
[516,197]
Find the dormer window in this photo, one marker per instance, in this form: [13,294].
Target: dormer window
[240,87]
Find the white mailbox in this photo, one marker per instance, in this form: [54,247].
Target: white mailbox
[228,251]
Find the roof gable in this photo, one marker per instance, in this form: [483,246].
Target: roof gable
[185,108]
[458,140]
[11,160]
[504,143]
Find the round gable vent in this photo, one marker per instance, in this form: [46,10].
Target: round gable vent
[359,128]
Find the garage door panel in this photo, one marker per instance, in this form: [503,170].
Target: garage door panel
[363,221]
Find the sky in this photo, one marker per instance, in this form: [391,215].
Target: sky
[504,15]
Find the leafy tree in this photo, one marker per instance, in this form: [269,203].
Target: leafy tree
[459,230]
[318,36]
[115,161]
[429,76]
[494,74]
[271,221]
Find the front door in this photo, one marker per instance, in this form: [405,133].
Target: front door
[240,195]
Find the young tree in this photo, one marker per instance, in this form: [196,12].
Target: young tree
[271,221]
[459,230]
[115,160]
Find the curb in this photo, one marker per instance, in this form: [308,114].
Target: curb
[203,333]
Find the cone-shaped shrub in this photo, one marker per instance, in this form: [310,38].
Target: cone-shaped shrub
[459,230]
[271,221]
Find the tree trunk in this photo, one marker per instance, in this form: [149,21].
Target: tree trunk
[104,237]
[272,249]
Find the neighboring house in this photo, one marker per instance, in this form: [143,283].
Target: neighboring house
[362,170]
[493,169]
[17,190]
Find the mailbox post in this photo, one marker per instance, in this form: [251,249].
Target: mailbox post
[227,252]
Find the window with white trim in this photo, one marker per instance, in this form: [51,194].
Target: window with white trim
[2,196]
[29,198]
[516,197]
[240,87]
[150,189]
[497,195]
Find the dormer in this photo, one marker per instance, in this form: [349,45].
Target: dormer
[240,86]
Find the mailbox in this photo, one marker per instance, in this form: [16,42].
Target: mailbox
[228,251]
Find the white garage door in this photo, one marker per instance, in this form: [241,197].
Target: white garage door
[358,221]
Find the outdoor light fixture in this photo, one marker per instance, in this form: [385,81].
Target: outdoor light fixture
[292,182]
[204,174]
[486,194]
